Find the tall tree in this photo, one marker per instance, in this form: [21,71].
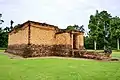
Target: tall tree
[115,29]
[99,25]
[105,18]
[93,26]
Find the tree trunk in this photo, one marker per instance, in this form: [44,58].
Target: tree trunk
[117,43]
[104,44]
[104,47]
[94,45]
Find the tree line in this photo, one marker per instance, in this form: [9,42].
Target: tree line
[104,31]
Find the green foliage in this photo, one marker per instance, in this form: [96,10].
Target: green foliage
[93,26]
[115,27]
[70,28]
[76,27]
[3,35]
[3,39]
[88,42]
[99,25]
[104,28]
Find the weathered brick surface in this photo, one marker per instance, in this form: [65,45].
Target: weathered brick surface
[19,36]
[90,55]
[16,49]
[39,50]
[62,50]
[81,39]
[42,35]
[33,50]
[63,38]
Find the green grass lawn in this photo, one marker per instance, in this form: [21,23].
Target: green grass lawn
[116,55]
[58,69]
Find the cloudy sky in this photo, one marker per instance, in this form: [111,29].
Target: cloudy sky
[57,12]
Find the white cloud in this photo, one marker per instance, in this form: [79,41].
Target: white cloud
[57,12]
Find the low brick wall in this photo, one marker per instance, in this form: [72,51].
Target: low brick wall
[33,50]
[39,50]
[91,55]
[16,49]
[62,50]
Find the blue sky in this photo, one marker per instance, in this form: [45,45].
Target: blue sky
[57,12]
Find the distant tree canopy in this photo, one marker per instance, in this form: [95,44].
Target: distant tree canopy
[3,34]
[76,27]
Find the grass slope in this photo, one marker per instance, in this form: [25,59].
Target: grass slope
[57,69]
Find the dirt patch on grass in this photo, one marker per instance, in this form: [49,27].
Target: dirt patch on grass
[55,57]
[12,56]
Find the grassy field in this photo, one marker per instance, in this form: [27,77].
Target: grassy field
[58,69]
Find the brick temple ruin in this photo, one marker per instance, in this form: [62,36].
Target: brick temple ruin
[33,39]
